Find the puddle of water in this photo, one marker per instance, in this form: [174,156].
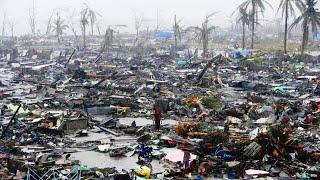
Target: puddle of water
[103,160]
[143,121]
[92,136]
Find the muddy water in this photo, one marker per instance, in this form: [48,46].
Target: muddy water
[144,121]
[103,160]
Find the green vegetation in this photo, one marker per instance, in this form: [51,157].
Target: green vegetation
[310,18]
[300,57]
[211,102]
[254,9]
[287,7]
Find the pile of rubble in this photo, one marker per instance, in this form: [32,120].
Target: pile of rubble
[75,116]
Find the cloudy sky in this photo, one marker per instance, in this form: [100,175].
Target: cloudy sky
[122,11]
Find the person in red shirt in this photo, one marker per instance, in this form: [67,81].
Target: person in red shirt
[318,106]
[308,119]
[157,117]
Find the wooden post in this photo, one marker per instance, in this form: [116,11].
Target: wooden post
[6,129]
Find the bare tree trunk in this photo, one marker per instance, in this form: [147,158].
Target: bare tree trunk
[305,37]
[32,19]
[49,25]
[75,34]
[98,28]
[4,25]
[91,28]
[205,38]
[136,40]
[157,26]
[84,37]
[243,35]
[286,29]
[12,31]
[253,24]
[175,37]
[205,46]
[108,39]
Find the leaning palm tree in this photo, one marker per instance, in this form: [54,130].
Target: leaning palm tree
[254,7]
[310,17]
[84,22]
[243,19]
[59,26]
[287,7]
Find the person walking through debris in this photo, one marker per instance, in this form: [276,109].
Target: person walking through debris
[157,117]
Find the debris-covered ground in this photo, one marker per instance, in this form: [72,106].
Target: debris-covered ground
[74,116]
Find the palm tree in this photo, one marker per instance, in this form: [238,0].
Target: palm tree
[93,18]
[310,17]
[108,39]
[12,25]
[107,43]
[204,32]
[84,22]
[138,22]
[287,7]
[177,33]
[49,25]
[254,7]
[244,20]
[59,26]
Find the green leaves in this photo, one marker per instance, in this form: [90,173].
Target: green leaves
[177,29]
[310,15]
[253,7]
[290,5]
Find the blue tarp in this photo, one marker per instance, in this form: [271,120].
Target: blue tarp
[163,34]
[317,37]
[238,53]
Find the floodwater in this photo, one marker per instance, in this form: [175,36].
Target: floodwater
[140,121]
[103,160]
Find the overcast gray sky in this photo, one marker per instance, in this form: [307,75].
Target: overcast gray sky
[122,11]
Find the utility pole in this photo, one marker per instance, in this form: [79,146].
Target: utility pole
[32,18]
[11,25]
[175,36]
[157,27]
[10,122]
[4,25]
[49,25]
